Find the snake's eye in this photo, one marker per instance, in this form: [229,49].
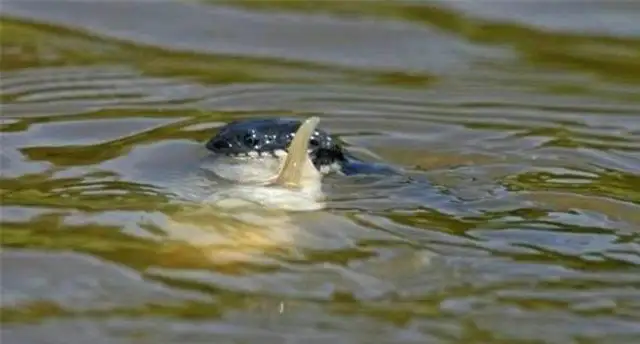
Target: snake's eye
[250,140]
[217,144]
[221,144]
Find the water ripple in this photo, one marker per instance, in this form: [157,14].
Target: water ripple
[515,218]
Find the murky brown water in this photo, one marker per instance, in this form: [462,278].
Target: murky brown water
[522,116]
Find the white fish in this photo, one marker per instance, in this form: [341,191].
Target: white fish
[252,217]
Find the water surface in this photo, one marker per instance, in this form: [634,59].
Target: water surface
[519,121]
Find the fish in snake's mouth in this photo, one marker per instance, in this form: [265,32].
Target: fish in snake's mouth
[256,140]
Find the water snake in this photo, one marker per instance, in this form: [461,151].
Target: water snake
[267,138]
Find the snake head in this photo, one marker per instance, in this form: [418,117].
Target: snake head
[254,138]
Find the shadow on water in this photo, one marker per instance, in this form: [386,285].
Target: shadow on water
[518,125]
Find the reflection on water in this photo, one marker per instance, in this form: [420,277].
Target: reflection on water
[518,125]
